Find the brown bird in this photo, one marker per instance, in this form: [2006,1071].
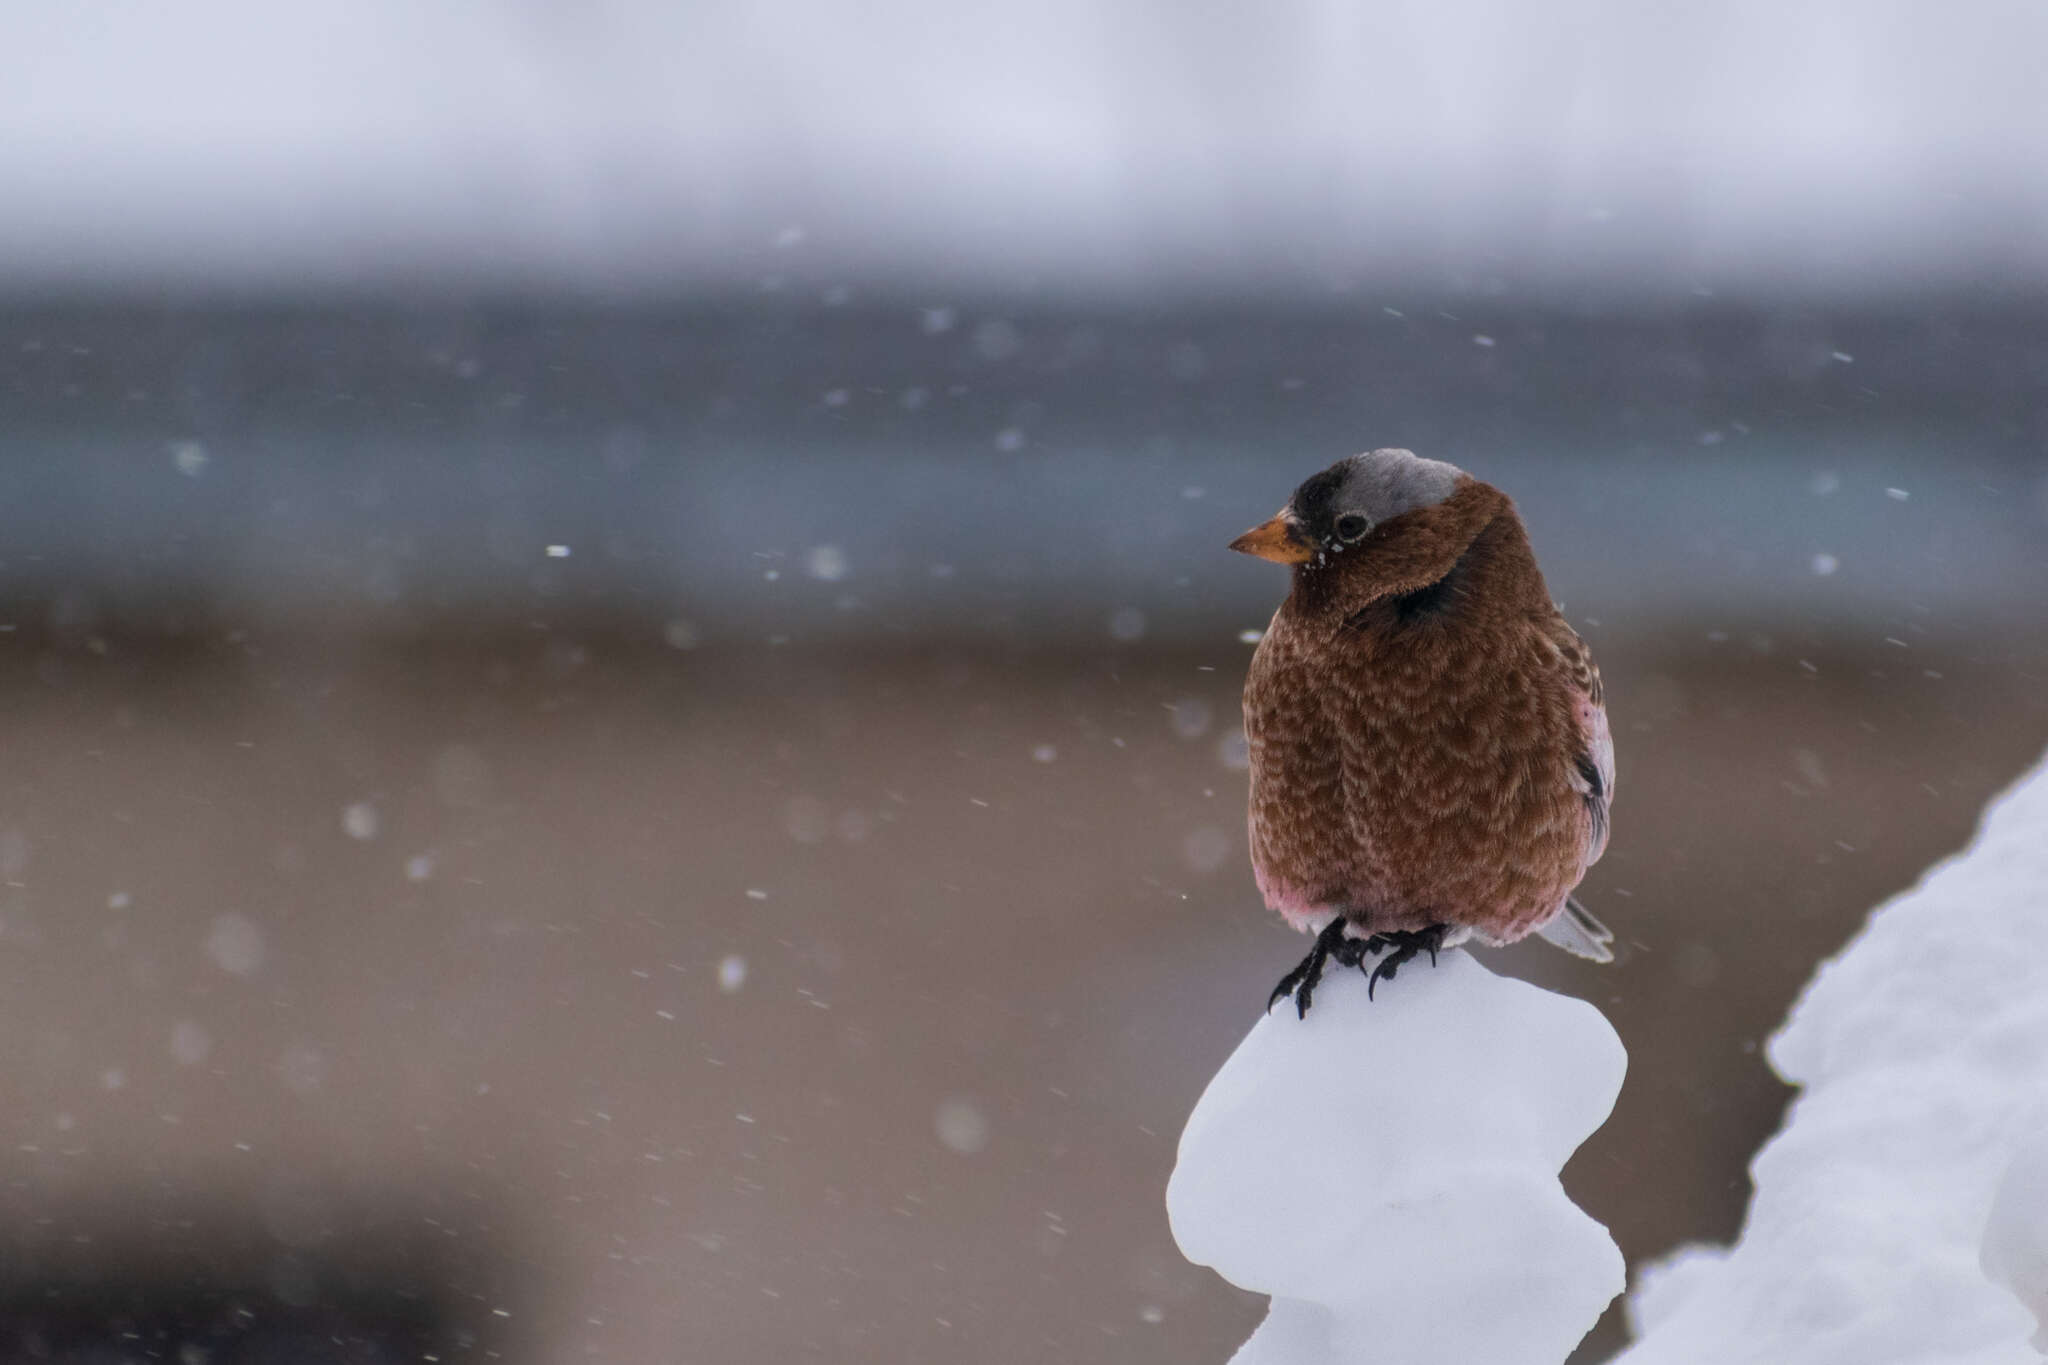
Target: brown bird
[1430,758]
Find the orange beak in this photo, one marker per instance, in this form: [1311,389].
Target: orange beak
[1278,539]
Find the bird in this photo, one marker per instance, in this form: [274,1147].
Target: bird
[1430,757]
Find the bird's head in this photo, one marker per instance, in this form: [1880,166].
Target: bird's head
[1337,509]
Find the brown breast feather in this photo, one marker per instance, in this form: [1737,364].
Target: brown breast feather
[1413,754]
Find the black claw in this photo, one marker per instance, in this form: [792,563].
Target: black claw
[1406,944]
[1286,987]
[1333,944]
[1301,982]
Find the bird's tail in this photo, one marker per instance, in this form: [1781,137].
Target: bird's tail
[1576,931]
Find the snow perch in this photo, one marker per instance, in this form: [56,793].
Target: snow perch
[1387,1171]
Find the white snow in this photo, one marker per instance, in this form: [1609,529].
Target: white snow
[2015,1252]
[359,820]
[1901,1214]
[961,1125]
[235,944]
[1190,717]
[1387,1171]
[191,1044]
[827,563]
[1665,1284]
[190,457]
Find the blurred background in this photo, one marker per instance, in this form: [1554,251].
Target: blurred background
[620,674]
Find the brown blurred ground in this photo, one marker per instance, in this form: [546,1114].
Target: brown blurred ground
[336,939]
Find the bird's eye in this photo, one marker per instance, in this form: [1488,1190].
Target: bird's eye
[1351,526]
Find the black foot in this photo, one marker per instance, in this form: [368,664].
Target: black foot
[1301,982]
[1405,943]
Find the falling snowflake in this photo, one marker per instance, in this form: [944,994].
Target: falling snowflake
[826,563]
[360,820]
[235,944]
[961,1126]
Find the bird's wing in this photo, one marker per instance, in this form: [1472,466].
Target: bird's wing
[1576,931]
[1593,762]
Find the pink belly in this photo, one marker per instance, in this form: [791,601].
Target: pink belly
[1306,911]
[1295,905]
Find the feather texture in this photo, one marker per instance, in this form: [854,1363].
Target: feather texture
[1428,738]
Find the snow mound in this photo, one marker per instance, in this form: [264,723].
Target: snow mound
[1387,1171]
[1901,1214]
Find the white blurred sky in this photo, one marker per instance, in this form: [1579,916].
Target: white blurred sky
[1149,145]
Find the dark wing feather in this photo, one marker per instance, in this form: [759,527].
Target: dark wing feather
[1593,763]
[1578,660]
